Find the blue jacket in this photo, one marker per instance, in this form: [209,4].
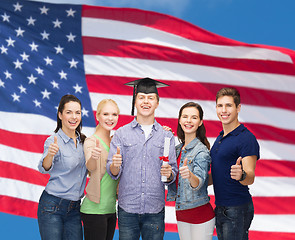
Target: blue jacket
[199,161]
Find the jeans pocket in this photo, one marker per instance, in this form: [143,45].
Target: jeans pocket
[231,213]
[48,207]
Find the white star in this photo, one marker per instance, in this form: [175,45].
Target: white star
[84,112]
[22,89]
[57,23]
[48,61]
[44,10]
[32,79]
[3,49]
[63,75]
[54,84]
[59,49]
[7,74]
[45,35]
[19,32]
[70,12]
[15,97]
[10,42]
[34,47]
[17,7]
[5,17]
[71,37]
[73,63]
[78,88]
[2,84]
[39,71]
[18,64]
[37,103]
[25,57]
[45,94]
[31,21]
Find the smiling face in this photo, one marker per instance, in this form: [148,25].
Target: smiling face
[146,104]
[108,116]
[190,120]
[227,111]
[70,116]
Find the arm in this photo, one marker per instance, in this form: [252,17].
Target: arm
[52,150]
[92,153]
[115,160]
[247,164]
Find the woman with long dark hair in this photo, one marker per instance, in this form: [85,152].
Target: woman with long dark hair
[194,213]
[63,158]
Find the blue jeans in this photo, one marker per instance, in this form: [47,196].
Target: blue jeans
[59,218]
[233,223]
[149,226]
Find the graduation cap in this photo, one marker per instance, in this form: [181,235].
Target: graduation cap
[144,85]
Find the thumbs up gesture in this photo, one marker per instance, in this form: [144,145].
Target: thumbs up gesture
[53,148]
[96,151]
[236,170]
[117,158]
[184,171]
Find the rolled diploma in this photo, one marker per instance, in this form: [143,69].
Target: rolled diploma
[166,154]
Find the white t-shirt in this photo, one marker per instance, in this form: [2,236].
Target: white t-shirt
[147,130]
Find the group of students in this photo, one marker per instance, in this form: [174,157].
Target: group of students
[129,167]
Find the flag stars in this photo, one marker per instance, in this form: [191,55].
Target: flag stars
[78,89]
[37,103]
[45,35]
[3,50]
[10,42]
[71,37]
[5,17]
[48,61]
[59,49]
[31,21]
[54,84]
[22,89]
[34,47]
[2,84]
[39,71]
[57,23]
[84,112]
[70,13]
[44,10]
[18,64]
[25,57]
[63,75]
[73,63]
[15,97]
[46,94]
[32,79]
[8,75]
[17,7]
[19,32]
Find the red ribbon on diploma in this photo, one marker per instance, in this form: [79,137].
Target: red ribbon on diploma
[165,159]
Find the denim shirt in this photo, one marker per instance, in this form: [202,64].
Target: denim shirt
[140,187]
[198,162]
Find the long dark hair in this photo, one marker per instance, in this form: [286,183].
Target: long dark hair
[65,99]
[201,132]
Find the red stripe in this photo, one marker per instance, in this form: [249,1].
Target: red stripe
[28,142]
[129,49]
[273,168]
[17,172]
[18,206]
[256,235]
[194,91]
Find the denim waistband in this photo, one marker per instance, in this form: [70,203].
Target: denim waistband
[60,201]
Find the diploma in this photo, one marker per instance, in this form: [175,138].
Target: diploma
[166,154]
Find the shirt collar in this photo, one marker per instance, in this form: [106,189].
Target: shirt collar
[135,124]
[65,137]
[236,131]
[193,143]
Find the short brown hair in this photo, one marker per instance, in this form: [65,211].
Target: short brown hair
[229,91]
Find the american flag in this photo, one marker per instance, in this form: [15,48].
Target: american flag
[48,50]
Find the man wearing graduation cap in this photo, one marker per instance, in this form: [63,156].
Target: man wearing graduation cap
[134,157]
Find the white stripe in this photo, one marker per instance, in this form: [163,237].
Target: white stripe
[120,30]
[269,187]
[19,189]
[169,107]
[138,68]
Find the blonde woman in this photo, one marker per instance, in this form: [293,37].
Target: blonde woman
[98,210]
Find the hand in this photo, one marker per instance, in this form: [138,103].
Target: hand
[166,128]
[117,159]
[236,170]
[184,171]
[96,151]
[53,148]
[166,170]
